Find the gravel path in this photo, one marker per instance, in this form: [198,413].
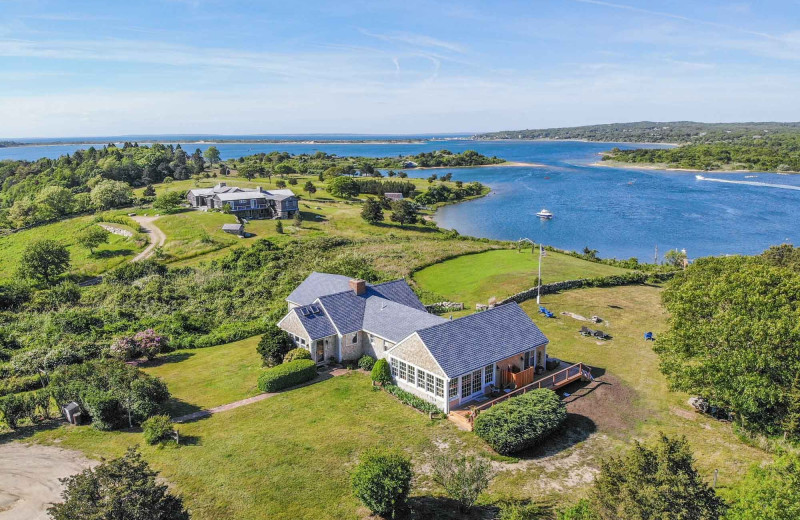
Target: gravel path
[29,478]
[260,397]
[157,237]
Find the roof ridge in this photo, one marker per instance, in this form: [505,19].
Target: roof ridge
[474,314]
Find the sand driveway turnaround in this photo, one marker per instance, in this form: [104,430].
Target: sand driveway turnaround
[29,478]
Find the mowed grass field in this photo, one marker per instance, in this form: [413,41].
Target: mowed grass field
[475,278]
[289,457]
[208,377]
[117,251]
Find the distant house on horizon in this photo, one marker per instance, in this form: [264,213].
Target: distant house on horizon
[250,203]
[393,196]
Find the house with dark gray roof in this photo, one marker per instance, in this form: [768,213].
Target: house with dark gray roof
[254,203]
[447,362]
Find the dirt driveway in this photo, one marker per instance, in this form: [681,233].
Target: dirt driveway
[157,237]
[29,478]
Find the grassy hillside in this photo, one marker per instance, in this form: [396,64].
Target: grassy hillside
[118,250]
[475,278]
[289,457]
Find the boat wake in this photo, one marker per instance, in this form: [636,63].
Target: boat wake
[750,183]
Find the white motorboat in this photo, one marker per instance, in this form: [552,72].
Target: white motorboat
[699,177]
[545,214]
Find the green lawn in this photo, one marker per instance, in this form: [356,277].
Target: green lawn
[475,278]
[118,250]
[208,377]
[634,401]
[290,456]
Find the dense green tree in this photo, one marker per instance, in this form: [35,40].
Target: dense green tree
[250,170]
[198,162]
[54,202]
[656,480]
[768,492]
[92,237]
[733,337]
[149,191]
[372,212]
[212,155]
[675,258]
[44,260]
[344,187]
[404,212]
[274,345]
[109,194]
[123,488]
[309,188]
[169,201]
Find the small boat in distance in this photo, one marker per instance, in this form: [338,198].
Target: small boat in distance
[699,177]
[544,214]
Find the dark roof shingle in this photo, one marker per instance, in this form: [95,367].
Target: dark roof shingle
[474,341]
[315,321]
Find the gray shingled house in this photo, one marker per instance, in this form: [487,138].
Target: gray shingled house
[250,203]
[446,362]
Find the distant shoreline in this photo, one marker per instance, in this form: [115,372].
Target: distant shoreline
[507,164]
[652,166]
[549,140]
[265,141]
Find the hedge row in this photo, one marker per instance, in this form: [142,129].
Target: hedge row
[286,375]
[521,422]
[411,399]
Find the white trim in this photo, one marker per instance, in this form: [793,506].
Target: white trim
[426,348]
[308,336]
[424,389]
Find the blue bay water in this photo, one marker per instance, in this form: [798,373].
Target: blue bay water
[619,212]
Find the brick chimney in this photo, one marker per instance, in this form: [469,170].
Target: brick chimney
[358,286]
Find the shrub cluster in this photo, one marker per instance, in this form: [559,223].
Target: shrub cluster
[147,343]
[157,428]
[382,481]
[366,362]
[112,393]
[295,354]
[34,406]
[521,422]
[411,399]
[381,372]
[286,375]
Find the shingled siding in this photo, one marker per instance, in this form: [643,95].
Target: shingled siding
[635,278]
[352,351]
[291,324]
[413,350]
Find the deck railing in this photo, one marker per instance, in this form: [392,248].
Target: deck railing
[553,381]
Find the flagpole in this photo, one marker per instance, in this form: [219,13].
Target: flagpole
[539,291]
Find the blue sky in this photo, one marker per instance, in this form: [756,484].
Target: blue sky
[82,68]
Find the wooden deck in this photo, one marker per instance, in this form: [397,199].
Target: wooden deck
[464,416]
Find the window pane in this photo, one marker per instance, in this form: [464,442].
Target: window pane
[420,379]
[411,371]
[488,374]
[429,383]
[403,374]
[439,387]
[466,385]
[393,363]
[453,392]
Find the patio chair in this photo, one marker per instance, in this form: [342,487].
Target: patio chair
[599,334]
[586,331]
[542,310]
[648,336]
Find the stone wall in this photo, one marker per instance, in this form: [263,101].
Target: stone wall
[634,278]
[444,307]
[116,230]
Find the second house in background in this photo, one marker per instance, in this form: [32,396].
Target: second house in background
[252,203]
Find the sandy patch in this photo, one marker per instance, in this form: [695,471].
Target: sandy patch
[29,478]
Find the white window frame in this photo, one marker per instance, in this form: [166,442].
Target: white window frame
[488,374]
[393,364]
[439,387]
[411,374]
[403,370]
[466,385]
[453,385]
[421,379]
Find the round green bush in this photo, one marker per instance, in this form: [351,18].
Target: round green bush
[382,481]
[366,362]
[286,375]
[521,422]
[381,373]
[296,353]
[157,428]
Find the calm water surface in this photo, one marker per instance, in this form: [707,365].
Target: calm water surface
[619,212]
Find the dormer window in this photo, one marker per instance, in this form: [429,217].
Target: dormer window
[355,337]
